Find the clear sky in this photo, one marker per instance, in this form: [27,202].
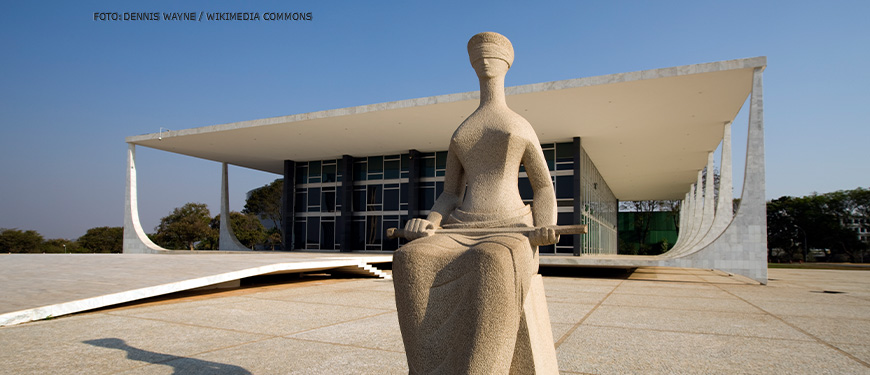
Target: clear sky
[71,88]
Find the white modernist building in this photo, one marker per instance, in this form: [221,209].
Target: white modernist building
[350,173]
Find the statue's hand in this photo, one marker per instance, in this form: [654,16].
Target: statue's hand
[418,228]
[543,236]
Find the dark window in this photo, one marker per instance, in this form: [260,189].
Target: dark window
[376,164]
[327,235]
[313,229]
[301,173]
[429,167]
[565,153]
[299,235]
[427,195]
[403,195]
[328,201]
[314,199]
[329,173]
[373,230]
[548,154]
[359,227]
[564,187]
[392,169]
[359,171]
[359,200]
[374,198]
[391,199]
[301,204]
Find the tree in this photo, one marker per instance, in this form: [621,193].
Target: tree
[60,245]
[184,227]
[265,202]
[103,240]
[17,241]
[816,222]
[247,228]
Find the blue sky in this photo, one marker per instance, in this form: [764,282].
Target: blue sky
[71,88]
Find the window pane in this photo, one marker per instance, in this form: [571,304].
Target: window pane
[564,187]
[373,197]
[328,201]
[428,197]
[327,235]
[329,173]
[428,167]
[301,203]
[565,152]
[299,235]
[359,171]
[314,199]
[441,160]
[391,169]
[301,173]
[314,169]
[549,155]
[373,230]
[376,164]
[313,230]
[359,200]
[391,200]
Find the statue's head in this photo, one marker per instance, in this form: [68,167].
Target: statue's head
[487,50]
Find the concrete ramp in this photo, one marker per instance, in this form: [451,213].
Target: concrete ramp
[39,286]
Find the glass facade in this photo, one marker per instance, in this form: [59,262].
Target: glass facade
[380,199]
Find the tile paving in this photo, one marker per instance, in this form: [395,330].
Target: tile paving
[655,321]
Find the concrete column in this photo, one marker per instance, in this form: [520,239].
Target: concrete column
[345,222]
[709,207]
[698,210]
[682,229]
[578,198]
[135,239]
[288,199]
[724,205]
[227,239]
[742,247]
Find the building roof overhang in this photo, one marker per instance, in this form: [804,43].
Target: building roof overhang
[648,132]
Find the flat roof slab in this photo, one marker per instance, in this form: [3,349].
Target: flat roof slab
[648,132]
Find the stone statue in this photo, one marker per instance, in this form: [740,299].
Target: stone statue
[460,297]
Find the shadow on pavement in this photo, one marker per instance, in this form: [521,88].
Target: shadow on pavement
[181,365]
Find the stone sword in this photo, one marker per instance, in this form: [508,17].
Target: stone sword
[393,233]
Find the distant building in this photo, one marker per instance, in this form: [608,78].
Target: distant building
[631,136]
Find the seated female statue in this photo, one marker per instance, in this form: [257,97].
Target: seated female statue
[460,297]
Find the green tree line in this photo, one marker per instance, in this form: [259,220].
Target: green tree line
[95,240]
[826,227]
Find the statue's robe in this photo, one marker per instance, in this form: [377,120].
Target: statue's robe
[460,297]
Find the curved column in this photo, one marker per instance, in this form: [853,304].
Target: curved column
[227,239]
[135,239]
[742,247]
[682,222]
[708,210]
[725,203]
[689,224]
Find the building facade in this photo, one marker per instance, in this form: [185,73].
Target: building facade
[386,190]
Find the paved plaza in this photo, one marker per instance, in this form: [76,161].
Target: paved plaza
[651,321]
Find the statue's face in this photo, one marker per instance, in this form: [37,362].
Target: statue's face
[490,67]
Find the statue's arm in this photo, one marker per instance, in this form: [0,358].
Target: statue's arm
[449,200]
[544,200]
